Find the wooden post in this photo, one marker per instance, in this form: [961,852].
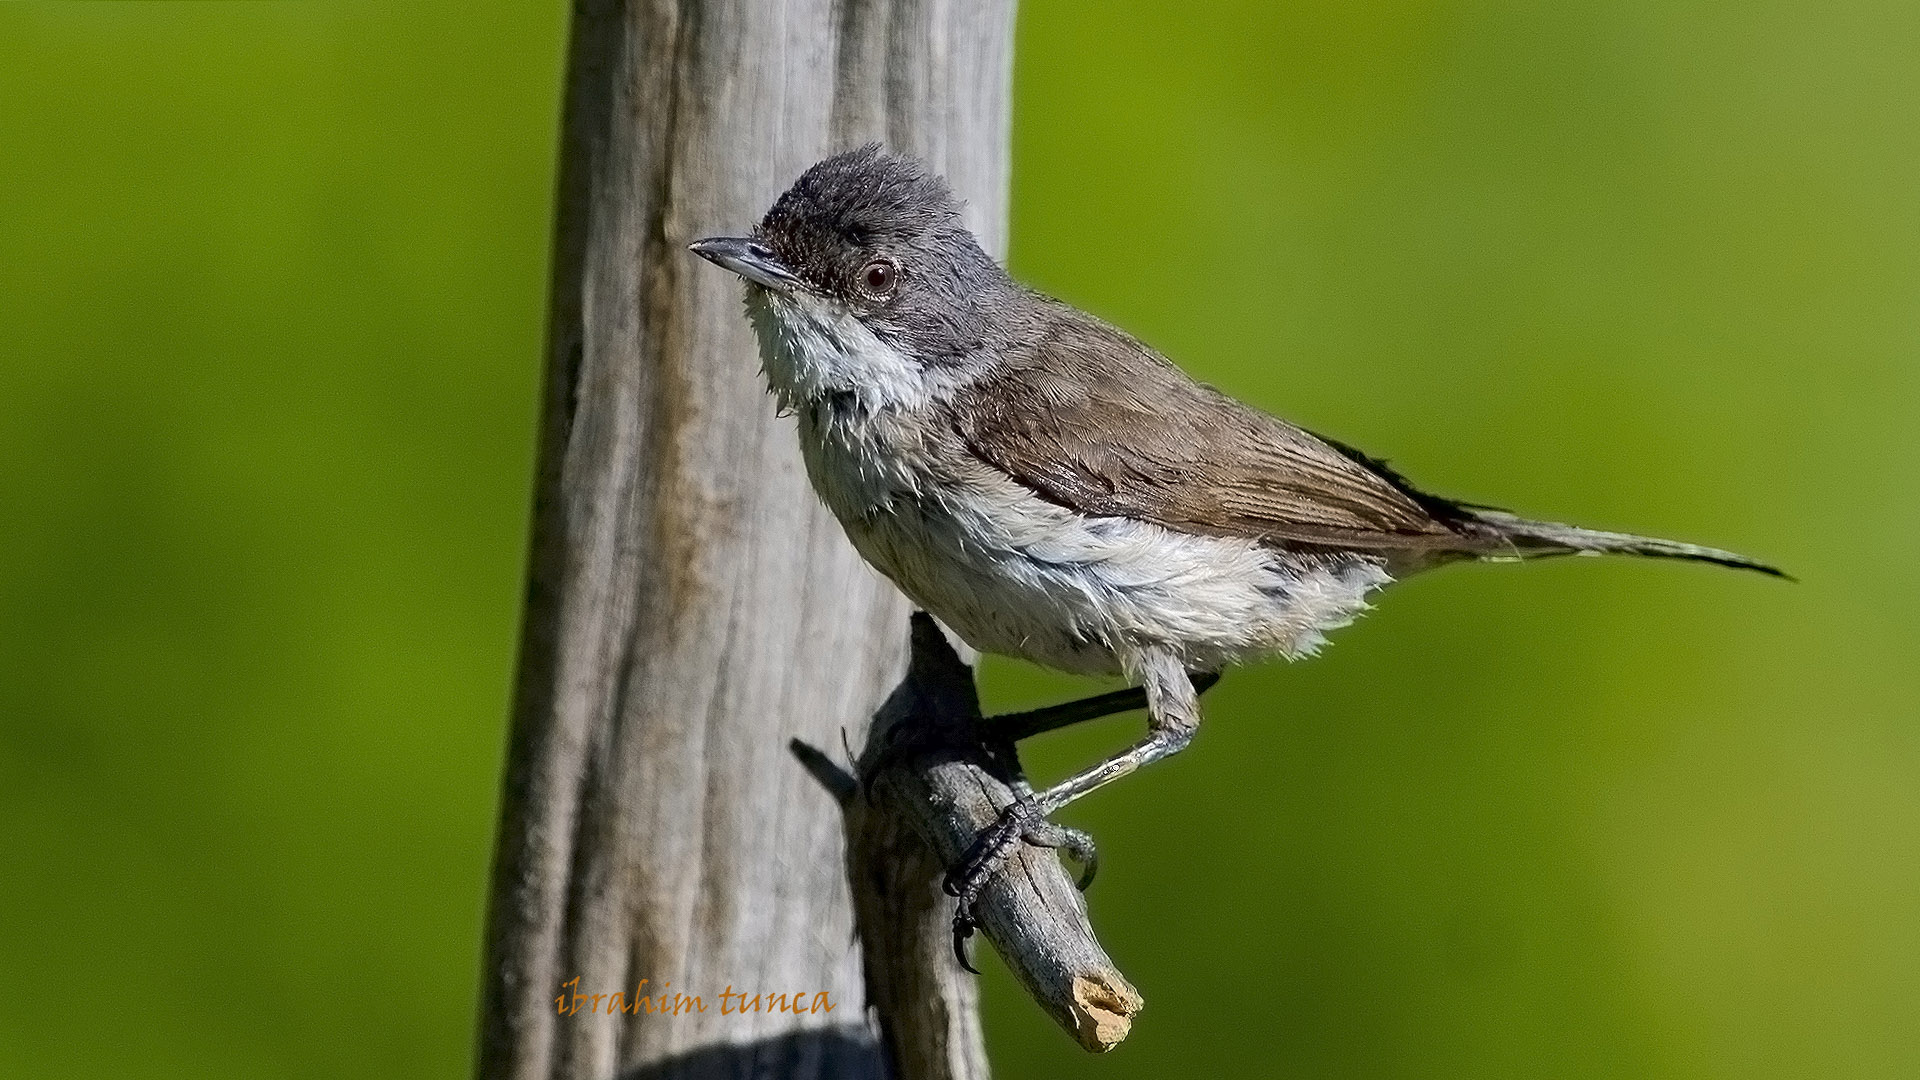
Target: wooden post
[690,606]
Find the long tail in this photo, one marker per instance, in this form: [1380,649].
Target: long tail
[1521,538]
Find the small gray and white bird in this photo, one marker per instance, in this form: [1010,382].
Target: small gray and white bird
[1052,489]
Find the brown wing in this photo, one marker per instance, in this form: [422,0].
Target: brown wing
[1091,419]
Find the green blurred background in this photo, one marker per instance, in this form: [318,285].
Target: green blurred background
[271,285]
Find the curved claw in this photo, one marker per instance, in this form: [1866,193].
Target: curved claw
[1079,847]
[1087,871]
[962,930]
[1076,843]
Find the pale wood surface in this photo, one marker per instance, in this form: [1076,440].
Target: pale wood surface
[690,606]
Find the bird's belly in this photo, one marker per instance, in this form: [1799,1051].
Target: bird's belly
[995,595]
[1014,574]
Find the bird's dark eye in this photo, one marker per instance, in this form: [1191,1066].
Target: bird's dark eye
[878,277]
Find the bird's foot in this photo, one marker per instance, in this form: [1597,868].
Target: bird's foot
[1022,820]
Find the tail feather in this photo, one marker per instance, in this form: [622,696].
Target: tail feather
[1523,538]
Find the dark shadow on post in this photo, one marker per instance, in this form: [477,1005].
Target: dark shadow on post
[828,1052]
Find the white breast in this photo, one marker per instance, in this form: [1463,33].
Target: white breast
[1014,574]
[1010,572]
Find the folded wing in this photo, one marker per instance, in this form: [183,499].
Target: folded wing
[1089,418]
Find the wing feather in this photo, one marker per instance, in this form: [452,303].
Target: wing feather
[1090,418]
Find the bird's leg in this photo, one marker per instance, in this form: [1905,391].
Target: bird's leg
[999,733]
[1172,699]
[1023,725]
[1173,713]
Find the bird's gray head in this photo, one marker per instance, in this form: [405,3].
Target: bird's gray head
[865,248]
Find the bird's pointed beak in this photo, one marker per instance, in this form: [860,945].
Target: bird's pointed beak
[749,258]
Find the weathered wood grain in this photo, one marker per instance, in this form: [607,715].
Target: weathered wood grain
[690,606]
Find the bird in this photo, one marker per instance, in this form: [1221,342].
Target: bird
[1051,488]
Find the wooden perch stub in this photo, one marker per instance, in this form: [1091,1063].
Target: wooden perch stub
[931,780]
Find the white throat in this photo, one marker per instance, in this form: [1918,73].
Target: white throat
[813,349]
